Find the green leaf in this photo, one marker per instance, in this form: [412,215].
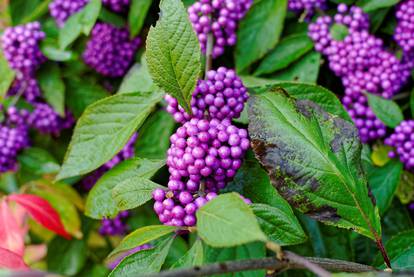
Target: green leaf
[386,110]
[38,161]
[100,202]
[144,261]
[383,182]
[103,130]
[7,75]
[379,154]
[66,257]
[133,192]
[259,31]
[141,236]
[227,221]
[178,249]
[137,14]
[23,11]
[400,250]
[405,190]
[194,257]
[286,52]
[65,208]
[81,93]
[313,160]
[338,32]
[154,136]
[371,5]
[253,250]
[279,224]
[52,52]
[112,18]
[81,22]
[52,86]
[173,53]
[305,69]
[137,79]
[317,94]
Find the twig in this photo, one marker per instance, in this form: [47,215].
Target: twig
[264,263]
[317,269]
[209,54]
[384,254]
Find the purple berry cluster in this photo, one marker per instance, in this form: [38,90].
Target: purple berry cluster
[402,140]
[222,95]
[363,64]
[309,6]
[27,86]
[61,10]
[20,46]
[404,32]
[118,259]
[206,151]
[219,18]
[47,121]
[114,226]
[117,5]
[110,51]
[14,137]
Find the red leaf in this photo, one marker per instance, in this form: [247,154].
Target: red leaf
[41,211]
[11,260]
[11,232]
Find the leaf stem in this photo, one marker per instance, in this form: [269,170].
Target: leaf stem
[209,54]
[384,254]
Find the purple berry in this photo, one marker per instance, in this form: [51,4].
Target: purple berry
[402,140]
[110,51]
[47,121]
[61,10]
[117,5]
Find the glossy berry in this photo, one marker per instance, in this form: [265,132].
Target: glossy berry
[404,32]
[219,18]
[402,140]
[61,10]
[14,137]
[308,6]
[27,86]
[20,46]
[110,51]
[222,95]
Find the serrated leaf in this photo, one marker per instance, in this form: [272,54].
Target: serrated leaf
[315,93]
[286,52]
[386,110]
[7,75]
[103,129]
[194,256]
[383,182]
[137,79]
[313,160]
[400,249]
[259,31]
[279,224]
[144,261]
[133,192]
[173,53]
[137,14]
[100,202]
[227,221]
[38,161]
[53,87]
[154,136]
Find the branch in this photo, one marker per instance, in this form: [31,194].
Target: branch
[209,54]
[265,263]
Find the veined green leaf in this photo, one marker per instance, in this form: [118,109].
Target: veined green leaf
[194,256]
